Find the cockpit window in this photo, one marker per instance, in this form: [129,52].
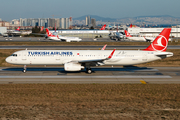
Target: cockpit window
[14,55]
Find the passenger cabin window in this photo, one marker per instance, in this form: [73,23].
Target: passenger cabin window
[14,55]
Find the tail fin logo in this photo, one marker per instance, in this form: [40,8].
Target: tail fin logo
[103,27]
[48,33]
[161,41]
[127,33]
[160,44]
[18,29]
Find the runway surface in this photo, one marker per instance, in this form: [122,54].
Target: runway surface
[80,47]
[101,75]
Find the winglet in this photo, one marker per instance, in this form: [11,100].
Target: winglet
[110,56]
[104,47]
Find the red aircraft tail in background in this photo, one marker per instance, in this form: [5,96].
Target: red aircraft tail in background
[130,26]
[42,28]
[127,33]
[18,29]
[103,27]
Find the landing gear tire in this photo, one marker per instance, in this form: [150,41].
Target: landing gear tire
[89,71]
[24,71]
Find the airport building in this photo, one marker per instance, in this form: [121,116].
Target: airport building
[152,32]
[3,30]
[4,23]
[14,22]
[83,33]
[88,20]
[61,23]
[143,32]
[93,22]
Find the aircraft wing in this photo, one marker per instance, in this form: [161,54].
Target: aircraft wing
[91,61]
[94,61]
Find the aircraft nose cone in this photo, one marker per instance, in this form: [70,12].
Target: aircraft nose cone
[8,60]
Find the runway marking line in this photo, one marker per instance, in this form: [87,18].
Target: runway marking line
[143,82]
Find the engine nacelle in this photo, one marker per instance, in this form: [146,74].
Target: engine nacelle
[73,67]
[68,40]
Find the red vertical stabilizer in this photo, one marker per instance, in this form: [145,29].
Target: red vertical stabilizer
[161,41]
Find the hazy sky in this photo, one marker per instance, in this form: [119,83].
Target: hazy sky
[15,9]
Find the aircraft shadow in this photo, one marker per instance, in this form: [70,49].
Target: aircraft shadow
[94,69]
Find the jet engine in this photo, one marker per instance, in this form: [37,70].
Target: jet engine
[73,67]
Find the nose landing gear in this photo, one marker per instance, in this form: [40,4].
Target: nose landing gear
[24,70]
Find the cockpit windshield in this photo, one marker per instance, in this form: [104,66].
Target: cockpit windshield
[14,55]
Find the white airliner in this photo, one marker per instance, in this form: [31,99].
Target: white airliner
[116,35]
[76,60]
[13,33]
[54,36]
[146,39]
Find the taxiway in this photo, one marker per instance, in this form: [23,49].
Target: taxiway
[104,75]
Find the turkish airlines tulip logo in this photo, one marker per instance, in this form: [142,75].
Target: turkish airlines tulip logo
[160,44]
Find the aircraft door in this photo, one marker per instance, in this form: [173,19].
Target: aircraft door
[57,58]
[24,55]
[144,56]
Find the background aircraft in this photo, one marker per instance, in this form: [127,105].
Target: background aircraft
[76,60]
[103,27]
[116,35]
[147,39]
[128,36]
[12,33]
[55,36]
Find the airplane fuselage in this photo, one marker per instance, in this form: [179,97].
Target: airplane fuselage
[136,38]
[67,39]
[60,57]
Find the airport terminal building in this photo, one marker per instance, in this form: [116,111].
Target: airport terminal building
[143,32]
[152,32]
[3,30]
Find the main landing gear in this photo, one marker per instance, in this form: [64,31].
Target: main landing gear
[88,70]
[24,70]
